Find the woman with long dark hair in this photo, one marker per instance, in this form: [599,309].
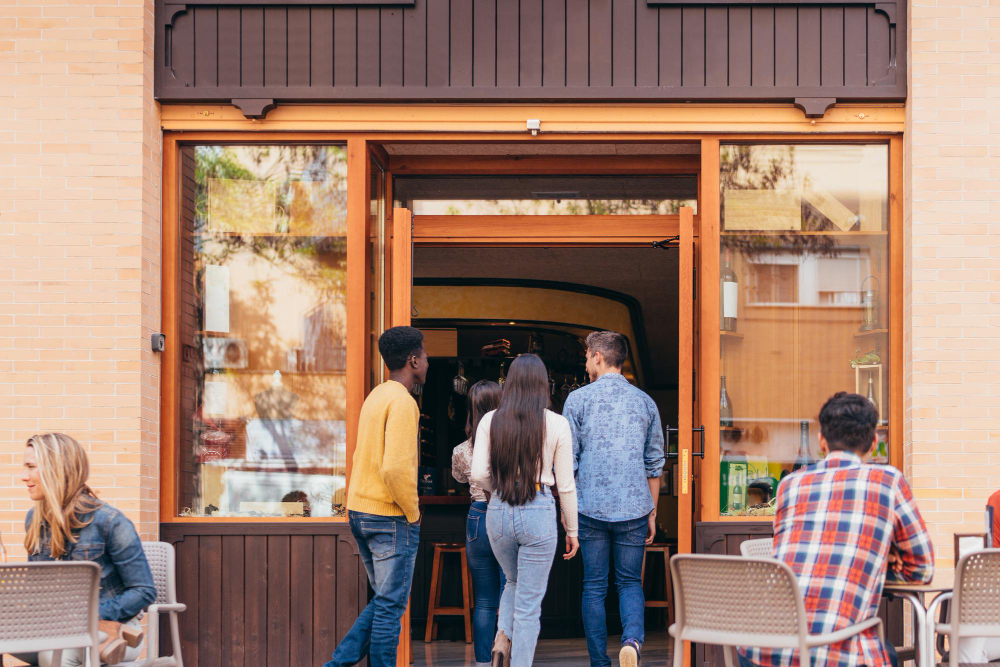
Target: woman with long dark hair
[522,450]
[487,577]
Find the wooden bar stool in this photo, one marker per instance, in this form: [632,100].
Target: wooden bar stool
[434,608]
[668,601]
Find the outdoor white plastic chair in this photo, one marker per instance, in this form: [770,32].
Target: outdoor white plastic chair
[50,606]
[736,601]
[975,602]
[762,548]
[160,556]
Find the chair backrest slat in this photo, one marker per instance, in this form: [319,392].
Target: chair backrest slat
[977,588]
[736,595]
[47,601]
[762,548]
[160,556]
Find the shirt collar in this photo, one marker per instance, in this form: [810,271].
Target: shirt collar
[616,376]
[841,459]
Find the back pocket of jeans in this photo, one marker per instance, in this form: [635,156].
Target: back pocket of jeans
[380,536]
[472,529]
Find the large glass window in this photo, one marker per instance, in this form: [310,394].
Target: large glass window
[263,322]
[804,305]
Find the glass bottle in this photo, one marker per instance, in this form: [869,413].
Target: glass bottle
[870,395]
[552,384]
[804,458]
[503,376]
[737,473]
[728,294]
[725,406]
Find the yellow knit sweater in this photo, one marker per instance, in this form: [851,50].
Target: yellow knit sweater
[384,476]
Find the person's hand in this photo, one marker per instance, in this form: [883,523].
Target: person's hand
[651,531]
[572,545]
[895,560]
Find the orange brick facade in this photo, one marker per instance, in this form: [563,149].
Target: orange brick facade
[80,183]
[79,245]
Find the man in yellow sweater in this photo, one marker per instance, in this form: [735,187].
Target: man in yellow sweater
[382,501]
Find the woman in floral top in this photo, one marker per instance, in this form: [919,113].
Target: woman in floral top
[487,576]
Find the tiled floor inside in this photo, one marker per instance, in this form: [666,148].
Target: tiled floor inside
[655,653]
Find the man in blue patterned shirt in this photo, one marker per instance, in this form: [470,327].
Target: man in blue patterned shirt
[618,452]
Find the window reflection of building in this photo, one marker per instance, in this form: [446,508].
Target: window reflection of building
[786,278]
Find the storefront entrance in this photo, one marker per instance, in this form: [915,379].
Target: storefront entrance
[504,264]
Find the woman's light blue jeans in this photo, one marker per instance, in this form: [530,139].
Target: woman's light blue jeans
[524,541]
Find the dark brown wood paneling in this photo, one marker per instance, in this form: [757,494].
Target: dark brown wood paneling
[345,47]
[809,43]
[600,43]
[438,44]
[415,46]
[740,46]
[461,43]
[786,26]
[484,43]
[508,26]
[300,45]
[206,44]
[762,27]
[265,595]
[232,615]
[623,43]
[544,50]
[369,57]
[530,44]
[855,46]
[671,46]
[324,608]
[832,50]
[255,599]
[275,47]
[229,47]
[554,46]
[693,46]
[647,45]
[278,599]
[717,46]
[577,43]
[252,46]
[391,20]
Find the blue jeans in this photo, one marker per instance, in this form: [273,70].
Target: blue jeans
[388,548]
[598,540]
[889,648]
[524,540]
[487,578]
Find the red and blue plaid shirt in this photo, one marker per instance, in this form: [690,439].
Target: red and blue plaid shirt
[834,524]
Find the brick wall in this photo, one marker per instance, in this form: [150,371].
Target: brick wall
[79,245]
[953,307]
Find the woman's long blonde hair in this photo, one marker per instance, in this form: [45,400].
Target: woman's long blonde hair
[63,468]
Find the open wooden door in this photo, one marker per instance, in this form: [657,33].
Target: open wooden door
[400,307]
[685,388]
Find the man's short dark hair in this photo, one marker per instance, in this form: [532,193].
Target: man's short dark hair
[398,344]
[848,423]
[612,345]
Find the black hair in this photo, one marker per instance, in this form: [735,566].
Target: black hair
[848,422]
[612,345]
[398,344]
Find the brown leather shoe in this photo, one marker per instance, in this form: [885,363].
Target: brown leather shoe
[132,636]
[500,657]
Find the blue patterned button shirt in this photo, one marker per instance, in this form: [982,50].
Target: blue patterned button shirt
[617,444]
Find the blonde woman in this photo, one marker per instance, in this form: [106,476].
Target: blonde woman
[68,522]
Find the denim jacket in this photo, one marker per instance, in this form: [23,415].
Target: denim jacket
[110,540]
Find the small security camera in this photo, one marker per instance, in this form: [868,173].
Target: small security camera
[158,342]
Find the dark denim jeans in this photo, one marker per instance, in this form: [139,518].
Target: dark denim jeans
[487,580]
[388,548]
[598,540]
[889,648]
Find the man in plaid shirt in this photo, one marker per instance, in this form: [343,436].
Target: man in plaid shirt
[843,526]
